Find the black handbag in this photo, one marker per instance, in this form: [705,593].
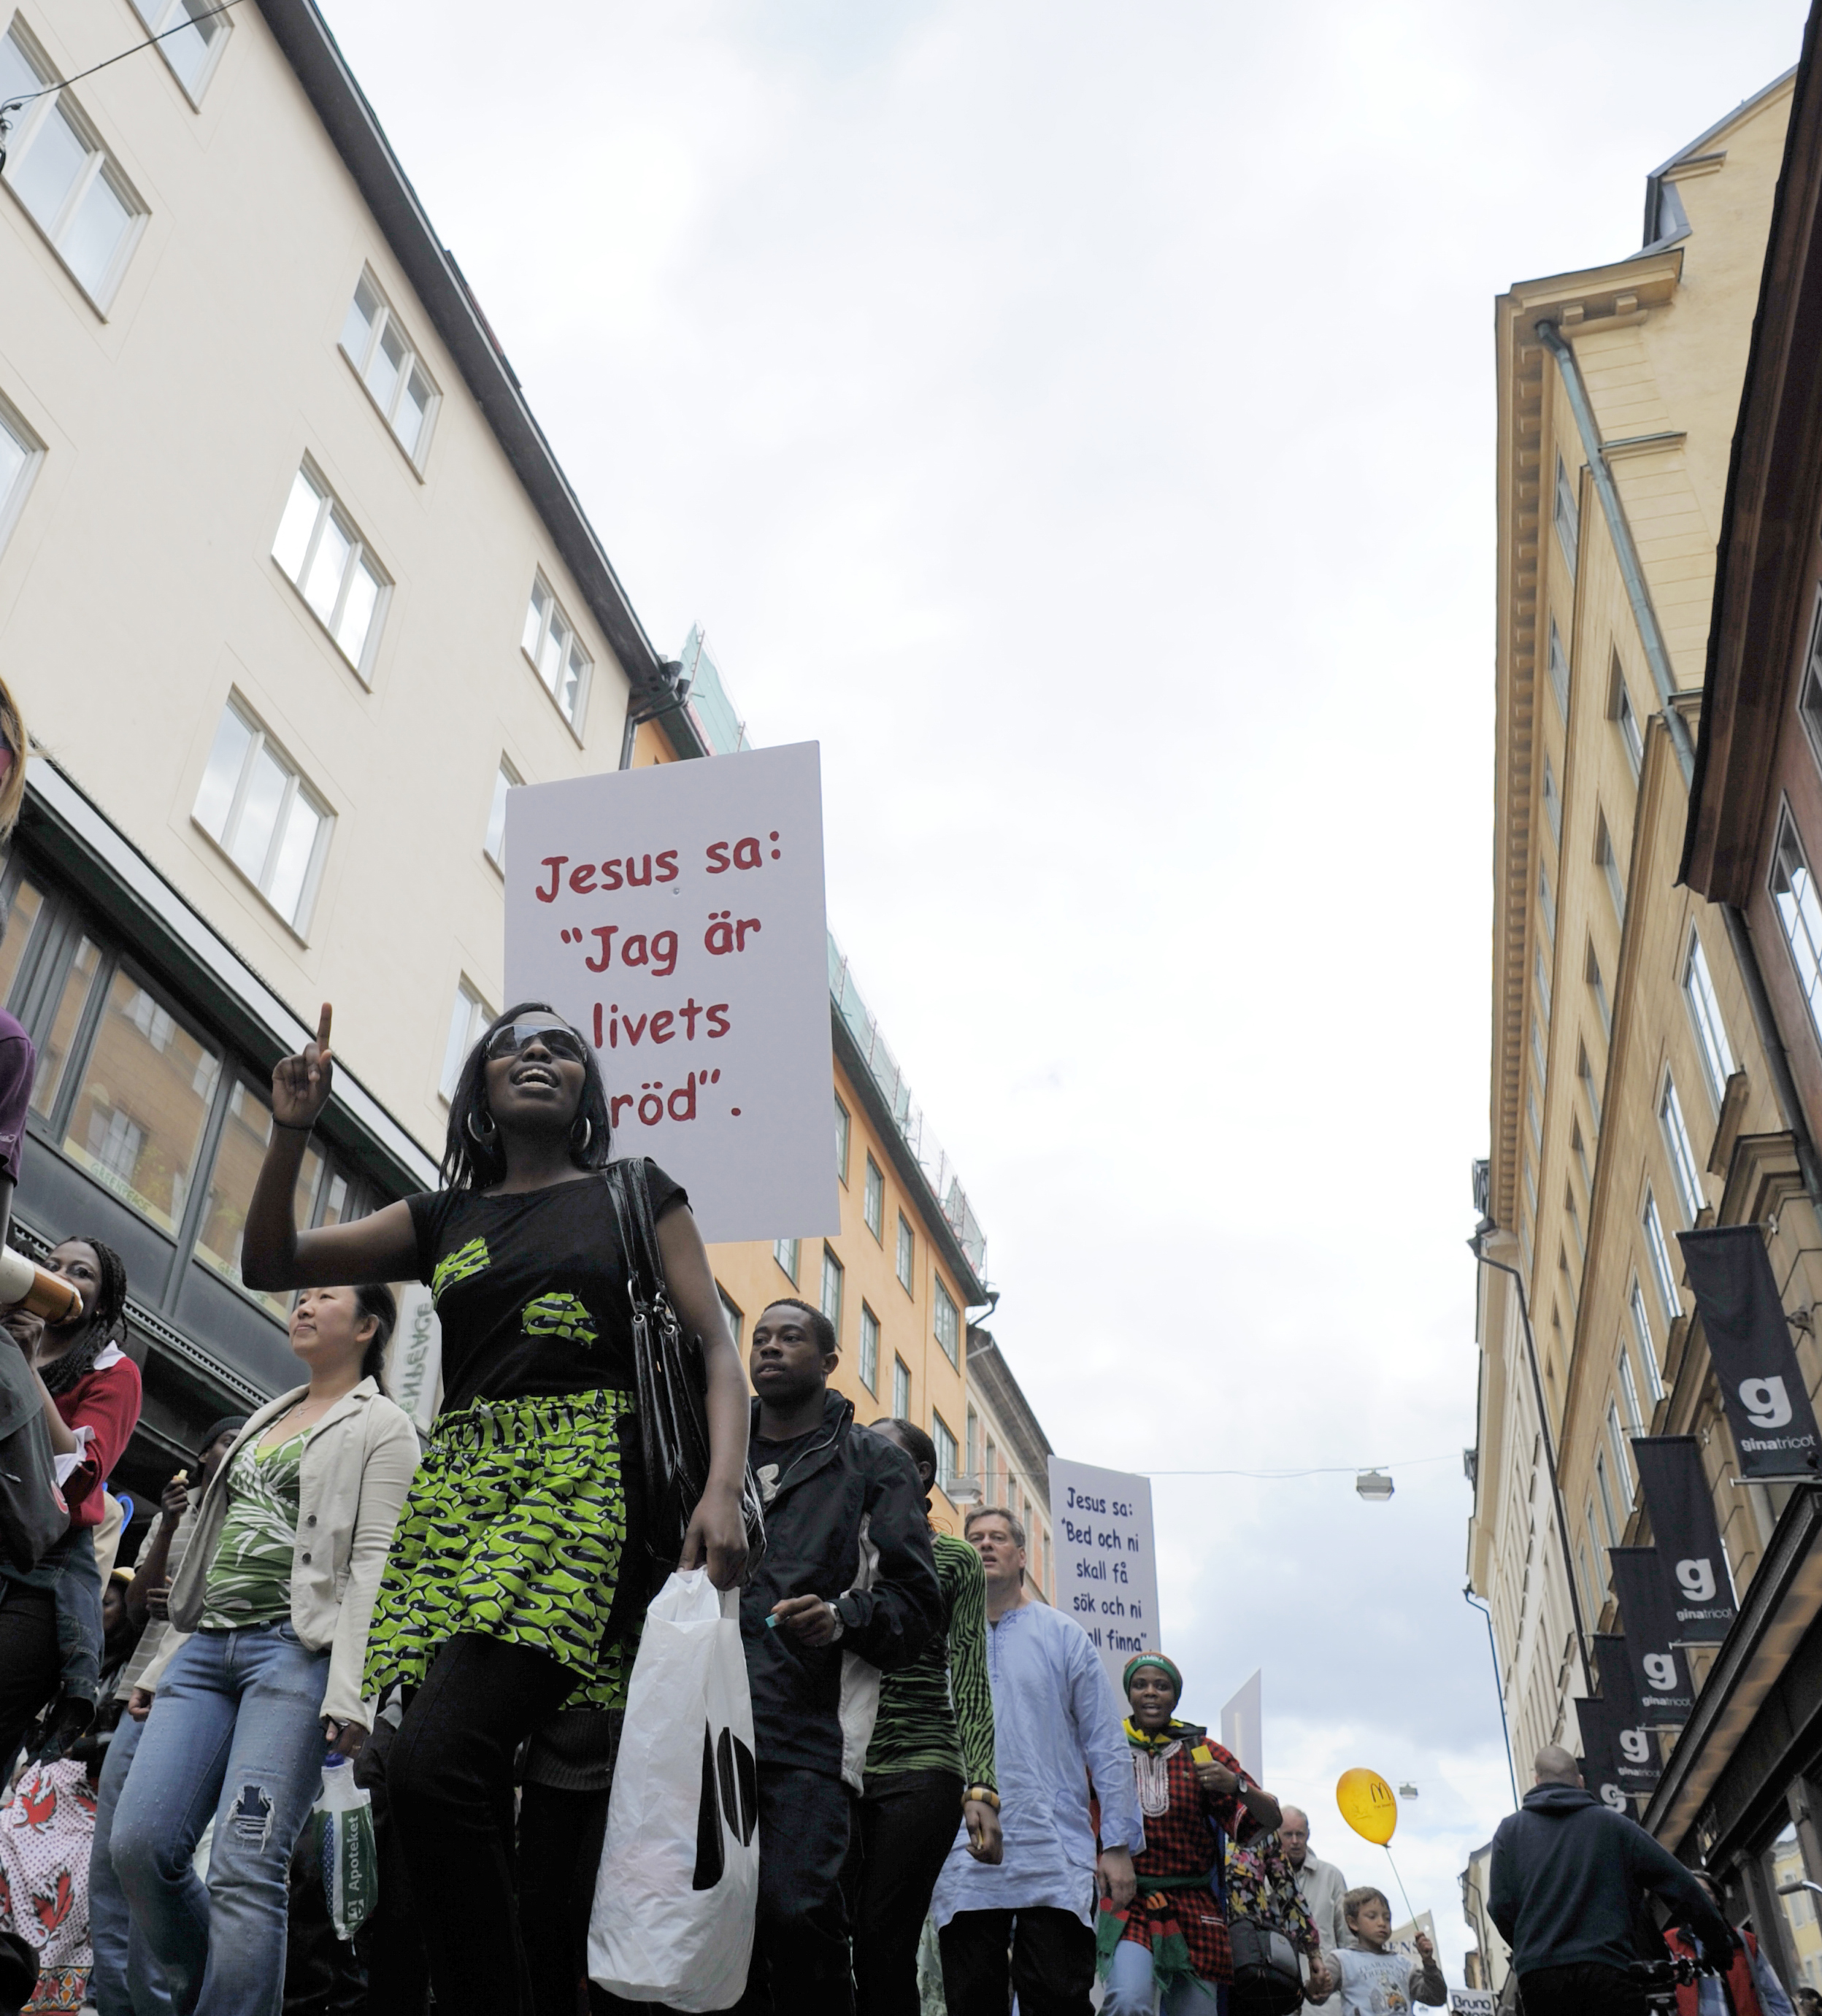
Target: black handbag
[1267,1980]
[33,1516]
[670,1381]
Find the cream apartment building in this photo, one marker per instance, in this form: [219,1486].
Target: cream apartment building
[1637,1087]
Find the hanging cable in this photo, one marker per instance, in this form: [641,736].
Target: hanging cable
[16,104]
[1326,1470]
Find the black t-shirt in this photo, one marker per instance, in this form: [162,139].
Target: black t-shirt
[530,1289]
[771,1460]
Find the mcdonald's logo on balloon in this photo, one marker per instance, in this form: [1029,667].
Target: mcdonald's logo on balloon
[1367,1805]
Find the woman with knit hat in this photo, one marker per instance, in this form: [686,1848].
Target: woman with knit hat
[1172,1940]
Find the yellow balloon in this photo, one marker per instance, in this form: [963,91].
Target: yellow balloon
[1367,1805]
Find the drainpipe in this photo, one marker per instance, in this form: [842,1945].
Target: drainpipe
[1618,530]
[1485,1609]
[1475,1246]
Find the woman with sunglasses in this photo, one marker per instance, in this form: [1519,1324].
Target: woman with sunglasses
[503,1600]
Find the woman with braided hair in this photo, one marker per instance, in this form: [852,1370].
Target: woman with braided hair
[50,1618]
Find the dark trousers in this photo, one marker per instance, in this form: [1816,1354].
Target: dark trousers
[800,1943]
[449,1786]
[1589,1989]
[323,1974]
[29,1663]
[389,1946]
[1044,1956]
[561,1835]
[907,1822]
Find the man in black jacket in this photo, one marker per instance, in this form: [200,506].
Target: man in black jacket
[1568,1893]
[847,1590]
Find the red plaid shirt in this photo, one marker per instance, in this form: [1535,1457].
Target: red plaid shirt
[1182,1841]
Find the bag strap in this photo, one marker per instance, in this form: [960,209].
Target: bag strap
[629,1190]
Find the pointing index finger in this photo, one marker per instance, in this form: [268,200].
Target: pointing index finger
[322,1026]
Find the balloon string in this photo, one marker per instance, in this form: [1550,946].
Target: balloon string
[1399,1880]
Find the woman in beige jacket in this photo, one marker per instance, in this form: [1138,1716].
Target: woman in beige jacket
[274,1597]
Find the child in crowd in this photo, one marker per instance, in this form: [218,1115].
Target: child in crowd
[1370,1981]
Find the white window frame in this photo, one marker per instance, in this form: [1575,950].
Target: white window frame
[869,1350]
[941,1304]
[1542,978]
[1641,1323]
[1682,1152]
[872,1200]
[1625,718]
[27,126]
[831,1289]
[1704,1013]
[494,845]
[1559,671]
[1597,987]
[1614,1528]
[1608,861]
[1599,1579]
[1566,515]
[1546,901]
[900,1389]
[330,509]
[1799,914]
[1629,1387]
[1622,1456]
[1552,804]
[386,318]
[843,1140]
[297,786]
[785,1251]
[531,643]
[24,437]
[731,1309]
[468,1015]
[943,1437]
[905,1258]
[160,17]
[1659,1254]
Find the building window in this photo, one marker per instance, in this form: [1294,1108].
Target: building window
[1624,719]
[1585,1071]
[730,1309]
[246,1128]
[1578,1148]
[1607,861]
[1537,1051]
[1800,914]
[873,1200]
[971,1430]
[1682,1155]
[1530,1186]
[844,1127]
[785,1252]
[505,779]
[1629,1387]
[1559,671]
[1597,987]
[327,561]
[1546,901]
[469,1016]
[271,825]
[870,1349]
[1704,1012]
[907,1251]
[1621,1467]
[1575,1219]
[830,1299]
[1567,514]
[947,1467]
[1588,1600]
[191,36]
[388,366]
[1660,1257]
[1614,1527]
[1542,983]
[990,1473]
[1552,805]
[900,1390]
[948,1323]
[71,186]
[1641,1323]
[550,642]
[20,453]
[1810,691]
[1532,1118]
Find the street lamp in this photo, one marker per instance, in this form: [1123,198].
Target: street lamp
[1373,1485]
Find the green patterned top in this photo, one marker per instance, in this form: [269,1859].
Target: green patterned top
[249,1579]
[937,1714]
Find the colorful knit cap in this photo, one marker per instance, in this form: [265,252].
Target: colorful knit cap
[1163,1664]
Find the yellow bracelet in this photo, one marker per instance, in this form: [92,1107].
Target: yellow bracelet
[985,1794]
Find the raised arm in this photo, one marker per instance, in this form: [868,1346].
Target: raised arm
[716,1535]
[274,1254]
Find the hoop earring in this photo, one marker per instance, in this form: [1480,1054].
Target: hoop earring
[482,1138]
[581,1147]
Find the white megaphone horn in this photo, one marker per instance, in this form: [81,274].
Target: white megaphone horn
[24,1284]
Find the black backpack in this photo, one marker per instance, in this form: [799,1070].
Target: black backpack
[1267,1979]
[33,1516]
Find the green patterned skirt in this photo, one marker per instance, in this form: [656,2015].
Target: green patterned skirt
[514,1527]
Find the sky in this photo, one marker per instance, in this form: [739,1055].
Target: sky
[1080,421]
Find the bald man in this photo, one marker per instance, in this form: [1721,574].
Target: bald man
[1568,1893]
[1320,1884]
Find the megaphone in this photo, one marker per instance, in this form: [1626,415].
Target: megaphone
[24,1284]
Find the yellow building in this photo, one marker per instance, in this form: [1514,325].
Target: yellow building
[1634,1092]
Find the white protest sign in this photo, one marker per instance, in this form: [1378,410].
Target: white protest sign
[414,1375]
[1106,1559]
[1243,1728]
[674,915]
[1470,2002]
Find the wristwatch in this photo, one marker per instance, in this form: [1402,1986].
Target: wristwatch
[837,1620]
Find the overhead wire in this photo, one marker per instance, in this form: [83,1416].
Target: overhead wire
[189,21]
[1323,1469]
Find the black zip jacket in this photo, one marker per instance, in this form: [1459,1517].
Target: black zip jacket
[1567,1884]
[847,1523]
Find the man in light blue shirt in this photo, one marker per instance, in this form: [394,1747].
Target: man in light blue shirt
[1027,1923]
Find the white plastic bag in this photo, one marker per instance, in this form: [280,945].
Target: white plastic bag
[343,1818]
[679,1877]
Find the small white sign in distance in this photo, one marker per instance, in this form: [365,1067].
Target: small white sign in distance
[675,914]
[1107,1558]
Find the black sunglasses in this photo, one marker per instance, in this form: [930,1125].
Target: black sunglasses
[511,1039]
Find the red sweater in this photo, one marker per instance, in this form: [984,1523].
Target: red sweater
[105,1400]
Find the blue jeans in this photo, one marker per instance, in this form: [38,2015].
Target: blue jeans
[236,1733]
[1129,1990]
[126,1981]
